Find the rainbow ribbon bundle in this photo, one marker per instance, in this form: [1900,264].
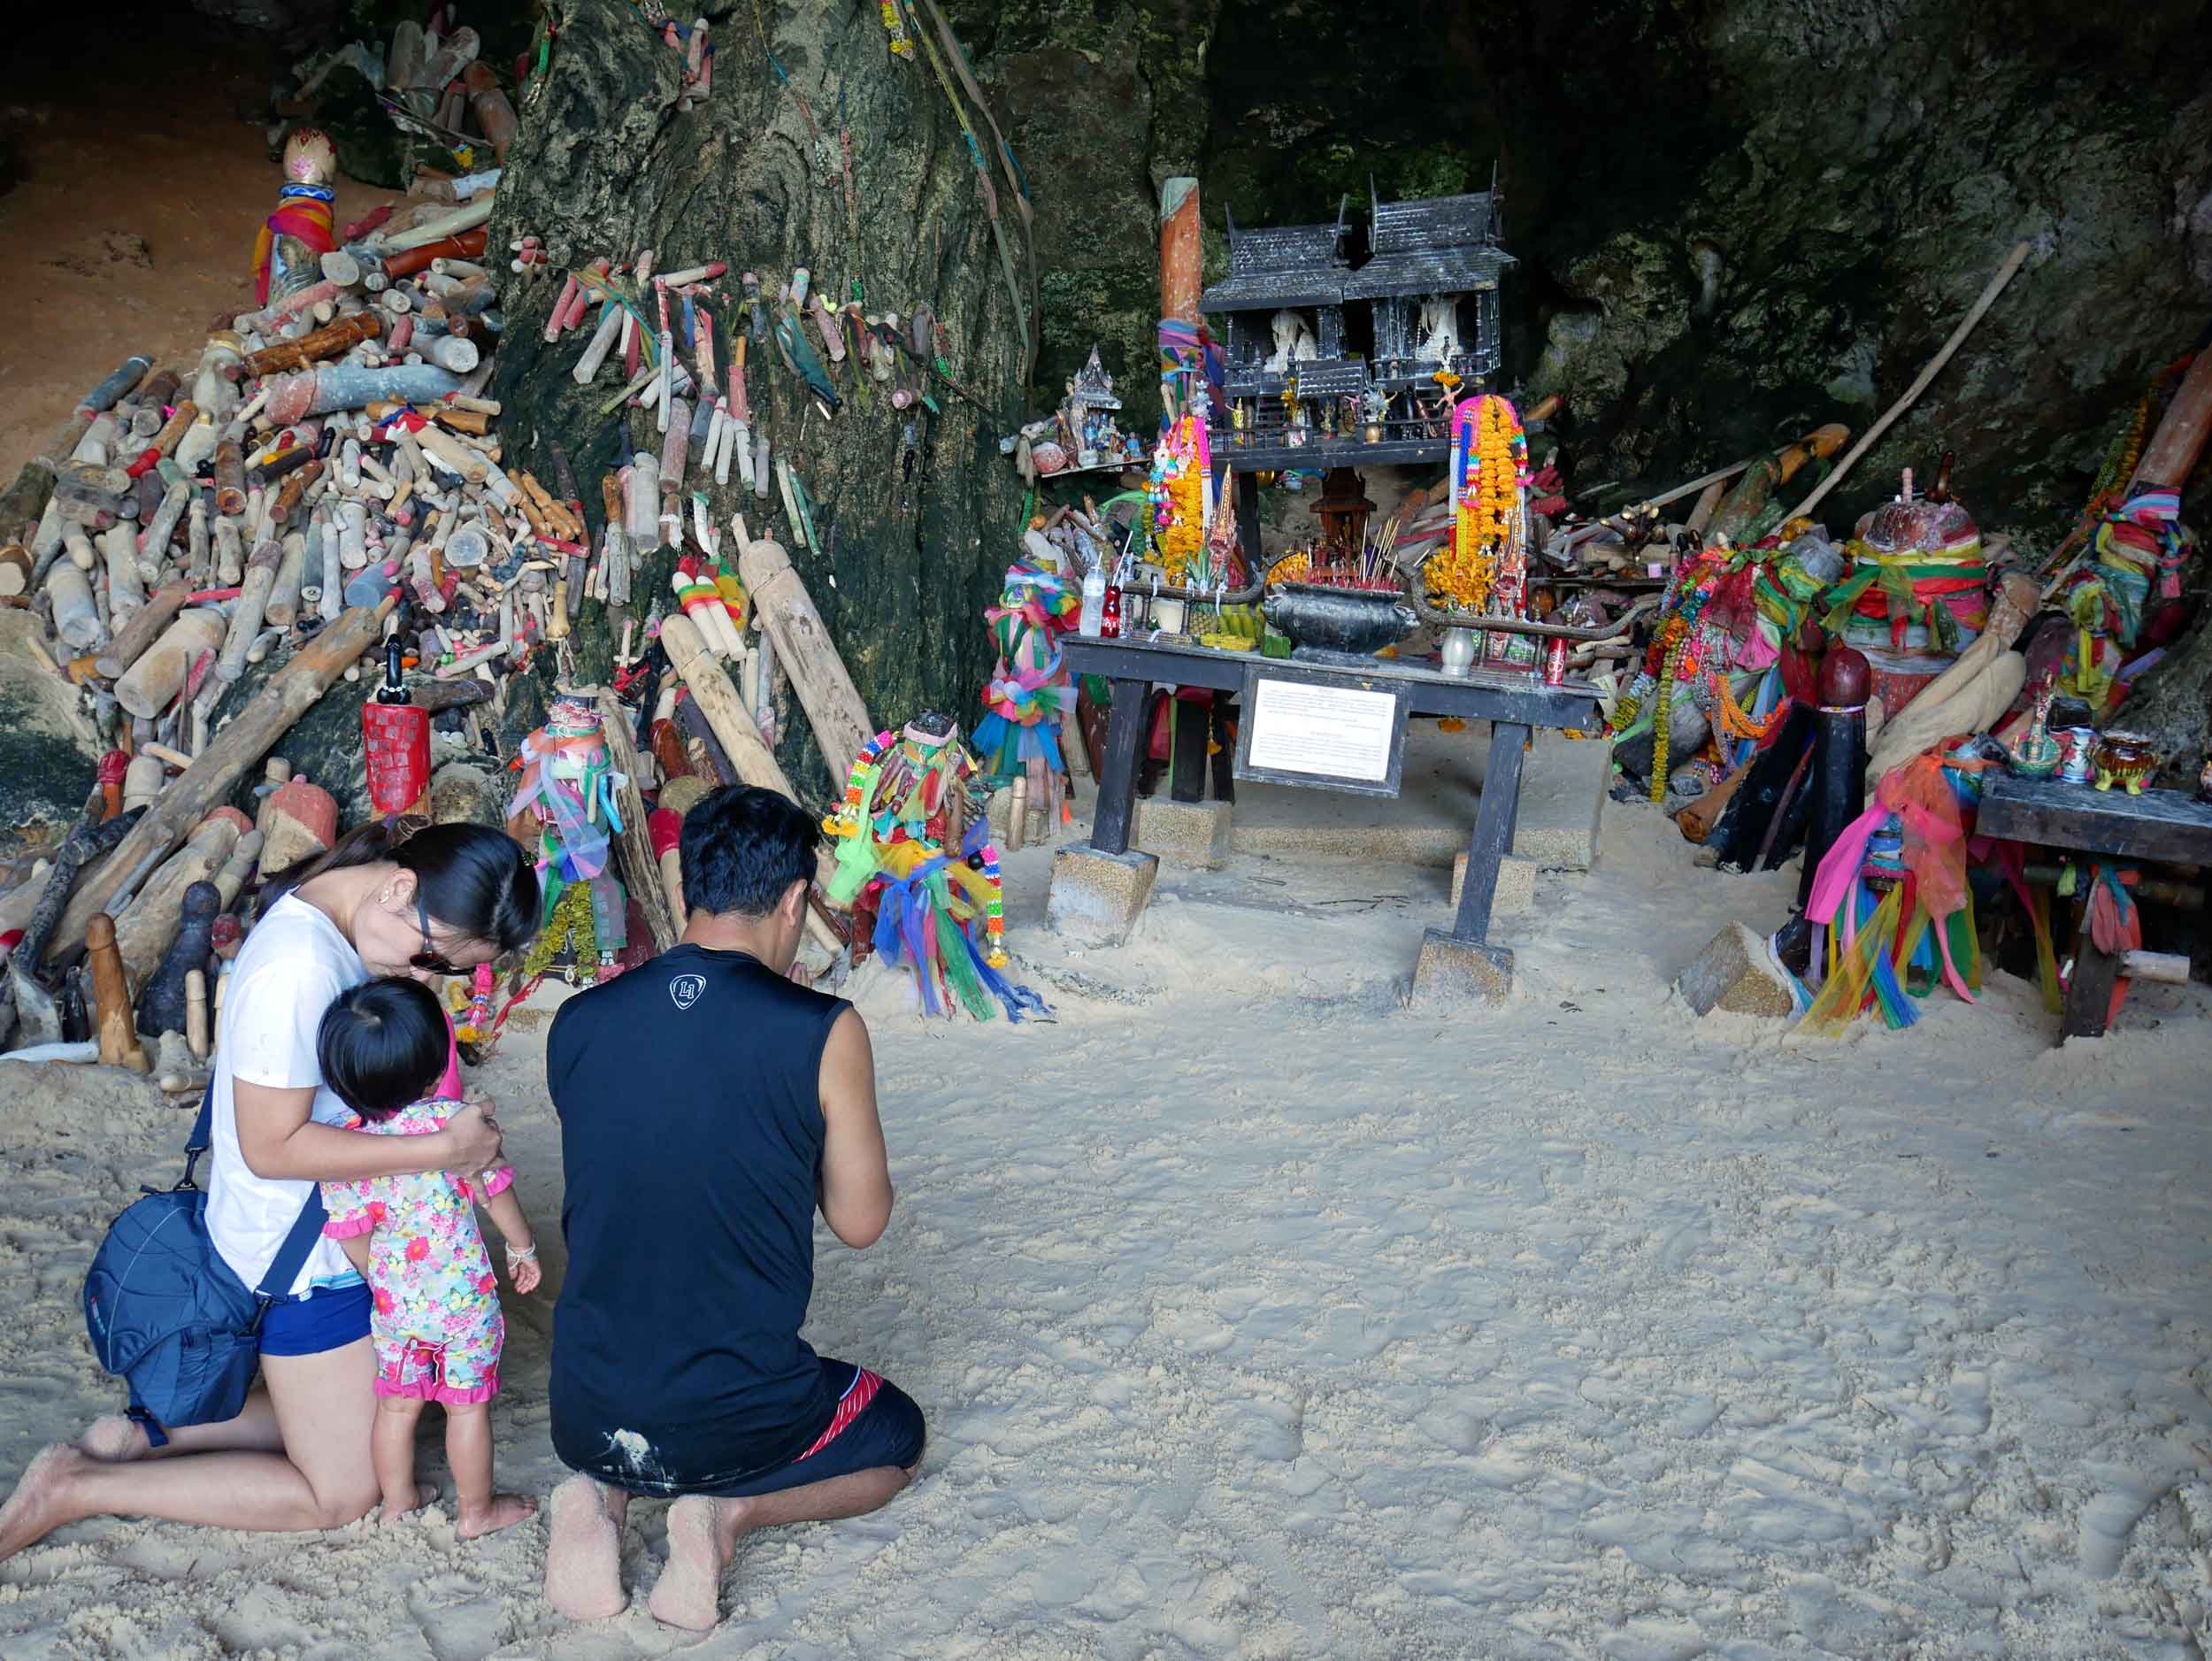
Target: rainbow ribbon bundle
[942,916]
[1029,691]
[303,211]
[1897,879]
[2141,546]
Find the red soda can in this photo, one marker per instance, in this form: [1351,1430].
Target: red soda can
[1556,661]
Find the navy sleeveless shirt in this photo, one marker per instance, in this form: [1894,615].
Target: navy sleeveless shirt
[689,1091]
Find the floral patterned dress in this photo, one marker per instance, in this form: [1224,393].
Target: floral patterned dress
[436,1326]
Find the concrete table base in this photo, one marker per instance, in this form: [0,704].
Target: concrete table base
[1097,897]
[1185,833]
[1452,970]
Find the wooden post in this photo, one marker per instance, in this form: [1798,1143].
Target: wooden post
[803,647]
[1181,253]
[196,1030]
[2174,448]
[283,698]
[118,1029]
[725,715]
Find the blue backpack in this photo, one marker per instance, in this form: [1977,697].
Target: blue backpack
[165,1312]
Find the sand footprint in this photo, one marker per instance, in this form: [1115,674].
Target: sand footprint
[460,1621]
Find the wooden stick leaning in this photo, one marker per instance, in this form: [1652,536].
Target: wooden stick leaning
[640,869]
[789,616]
[727,715]
[1920,383]
[284,697]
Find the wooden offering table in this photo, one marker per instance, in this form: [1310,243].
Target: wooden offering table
[1330,726]
[2160,825]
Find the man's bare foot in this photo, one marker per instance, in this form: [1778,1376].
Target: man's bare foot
[392,1515]
[114,1439]
[35,1508]
[503,1510]
[583,1555]
[687,1594]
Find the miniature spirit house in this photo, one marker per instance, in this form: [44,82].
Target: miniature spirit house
[1280,312]
[1299,391]
[1431,277]
[1092,435]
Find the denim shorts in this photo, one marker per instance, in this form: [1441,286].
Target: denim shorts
[326,1318]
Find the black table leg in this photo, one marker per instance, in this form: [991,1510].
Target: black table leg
[1188,721]
[1493,837]
[1117,787]
[1224,758]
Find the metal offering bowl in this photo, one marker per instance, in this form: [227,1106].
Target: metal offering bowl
[1352,621]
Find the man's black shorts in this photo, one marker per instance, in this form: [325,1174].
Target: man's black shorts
[876,1424]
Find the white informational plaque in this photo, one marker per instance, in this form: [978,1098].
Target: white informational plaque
[1309,732]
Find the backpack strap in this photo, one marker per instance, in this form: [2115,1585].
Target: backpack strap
[284,1268]
[203,1137]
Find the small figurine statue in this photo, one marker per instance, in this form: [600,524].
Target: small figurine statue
[288,253]
[1294,342]
[1439,329]
[1374,411]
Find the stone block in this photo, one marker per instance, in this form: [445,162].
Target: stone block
[1186,833]
[1456,971]
[1516,884]
[1734,974]
[1096,897]
[1563,800]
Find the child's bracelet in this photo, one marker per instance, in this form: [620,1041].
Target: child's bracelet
[522,1254]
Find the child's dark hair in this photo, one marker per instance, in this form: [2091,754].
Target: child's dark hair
[382,1044]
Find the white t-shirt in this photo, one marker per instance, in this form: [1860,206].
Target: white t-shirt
[294,963]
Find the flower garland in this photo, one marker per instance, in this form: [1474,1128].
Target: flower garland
[1176,488]
[1489,471]
[1735,721]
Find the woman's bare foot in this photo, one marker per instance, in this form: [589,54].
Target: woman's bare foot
[392,1515]
[583,1554]
[687,1594]
[114,1439]
[504,1511]
[36,1507]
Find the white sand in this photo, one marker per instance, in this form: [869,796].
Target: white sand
[1255,1315]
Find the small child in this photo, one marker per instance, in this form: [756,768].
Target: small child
[437,1323]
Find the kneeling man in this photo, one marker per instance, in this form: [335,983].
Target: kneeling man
[708,1106]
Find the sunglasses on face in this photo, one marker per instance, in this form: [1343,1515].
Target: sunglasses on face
[429,957]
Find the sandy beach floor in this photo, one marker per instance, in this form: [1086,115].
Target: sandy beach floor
[1257,1315]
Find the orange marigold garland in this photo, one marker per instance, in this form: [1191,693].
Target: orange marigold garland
[1489,473]
[1178,492]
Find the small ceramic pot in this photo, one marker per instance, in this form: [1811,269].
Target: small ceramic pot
[2125,759]
[1458,650]
[2076,753]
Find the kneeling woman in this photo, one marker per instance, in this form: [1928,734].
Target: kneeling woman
[298,1456]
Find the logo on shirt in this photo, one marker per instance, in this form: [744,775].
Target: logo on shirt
[686,990]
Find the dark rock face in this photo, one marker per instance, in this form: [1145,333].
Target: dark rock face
[1844,179]
[1735,219]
